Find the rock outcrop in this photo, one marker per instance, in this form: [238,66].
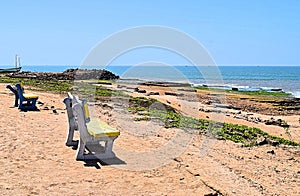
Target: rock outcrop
[70,74]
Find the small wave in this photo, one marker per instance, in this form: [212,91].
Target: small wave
[239,87]
[296,94]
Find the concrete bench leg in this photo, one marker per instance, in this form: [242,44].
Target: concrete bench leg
[80,150]
[70,136]
[109,146]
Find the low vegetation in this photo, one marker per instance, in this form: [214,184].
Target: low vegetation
[263,93]
[150,109]
[248,136]
[64,86]
[56,86]
[253,93]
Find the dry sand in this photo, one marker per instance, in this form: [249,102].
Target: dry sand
[35,160]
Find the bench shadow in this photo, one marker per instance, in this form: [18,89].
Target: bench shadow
[30,110]
[97,163]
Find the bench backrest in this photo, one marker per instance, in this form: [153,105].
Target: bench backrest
[20,89]
[70,101]
[71,117]
[87,127]
[81,113]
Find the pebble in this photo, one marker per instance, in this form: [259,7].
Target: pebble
[271,151]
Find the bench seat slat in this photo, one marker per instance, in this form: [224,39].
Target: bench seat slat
[30,96]
[99,128]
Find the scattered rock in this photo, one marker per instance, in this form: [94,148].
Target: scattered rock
[272,142]
[166,84]
[261,140]
[207,102]
[187,90]
[278,122]
[129,87]
[271,152]
[211,194]
[177,160]
[153,93]
[173,94]
[222,106]
[139,90]
[105,105]
[40,103]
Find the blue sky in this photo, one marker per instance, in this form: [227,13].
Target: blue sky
[53,32]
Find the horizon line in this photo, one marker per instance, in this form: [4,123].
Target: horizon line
[188,65]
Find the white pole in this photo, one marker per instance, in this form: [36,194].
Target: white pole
[16,61]
[19,62]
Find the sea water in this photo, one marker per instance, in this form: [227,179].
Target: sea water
[286,78]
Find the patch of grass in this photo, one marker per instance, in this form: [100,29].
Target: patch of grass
[245,135]
[253,93]
[203,88]
[5,79]
[40,85]
[62,86]
[142,119]
[141,101]
[136,109]
[262,93]
[104,92]
[49,85]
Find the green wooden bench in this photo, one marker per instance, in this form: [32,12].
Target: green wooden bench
[96,137]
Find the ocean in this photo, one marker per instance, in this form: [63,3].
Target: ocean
[286,78]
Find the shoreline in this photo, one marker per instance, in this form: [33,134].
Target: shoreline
[225,84]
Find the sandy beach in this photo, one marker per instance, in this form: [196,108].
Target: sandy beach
[152,160]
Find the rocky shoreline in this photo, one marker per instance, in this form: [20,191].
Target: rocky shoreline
[268,106]
[69,74]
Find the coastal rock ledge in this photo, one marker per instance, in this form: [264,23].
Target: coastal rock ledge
[69,74]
